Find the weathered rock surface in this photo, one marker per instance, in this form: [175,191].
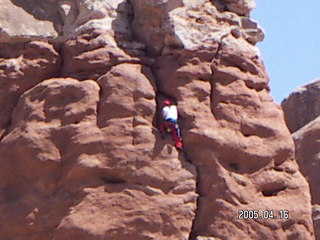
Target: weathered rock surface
[22,66]
[71,178]
[316,219]
[242,7]
[302,114]
[81,154]
[21,19]
[302,106]
[307,141]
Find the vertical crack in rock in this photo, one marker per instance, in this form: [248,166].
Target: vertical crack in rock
[193,233]
[215,60]
[6,128]
[99,105]
[161,94]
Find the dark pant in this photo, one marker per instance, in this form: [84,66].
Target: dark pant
[173,125]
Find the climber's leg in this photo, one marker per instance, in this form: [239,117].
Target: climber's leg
[176,137]
[177,130]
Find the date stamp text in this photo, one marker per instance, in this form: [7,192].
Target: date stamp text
[265,214]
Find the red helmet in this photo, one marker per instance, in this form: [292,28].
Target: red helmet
[166,102]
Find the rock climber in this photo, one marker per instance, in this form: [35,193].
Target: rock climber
[170,124]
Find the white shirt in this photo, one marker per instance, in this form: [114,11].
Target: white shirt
[170,112]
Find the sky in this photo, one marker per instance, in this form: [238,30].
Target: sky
[291,48]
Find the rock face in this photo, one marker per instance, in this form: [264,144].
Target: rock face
[302,106]
[302,114]
[80,151]
[307,141]
[20,19]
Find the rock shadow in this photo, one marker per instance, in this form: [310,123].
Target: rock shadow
[45,10]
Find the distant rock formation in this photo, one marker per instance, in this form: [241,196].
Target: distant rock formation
[302,106]
[302,114]
[80,152]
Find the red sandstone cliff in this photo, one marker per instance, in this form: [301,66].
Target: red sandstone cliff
[81,156]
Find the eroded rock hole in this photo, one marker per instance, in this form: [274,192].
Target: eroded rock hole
[234,166]
[109,180]
[273,192]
